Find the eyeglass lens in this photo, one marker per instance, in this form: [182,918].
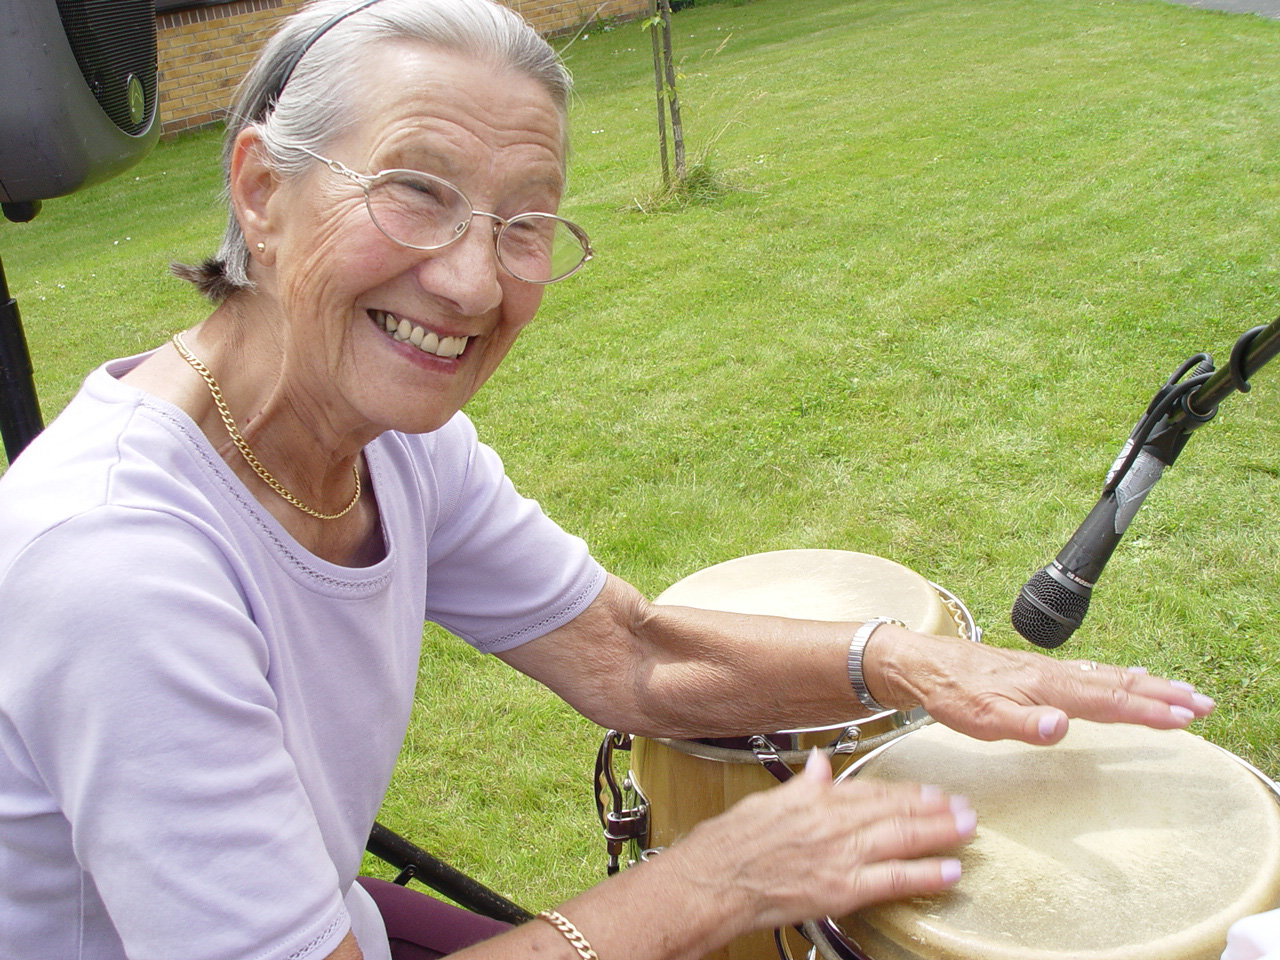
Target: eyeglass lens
[419,210]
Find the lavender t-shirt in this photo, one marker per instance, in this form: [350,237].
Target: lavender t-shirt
[198,718]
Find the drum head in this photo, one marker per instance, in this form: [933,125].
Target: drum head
[1120,843]
[816,585]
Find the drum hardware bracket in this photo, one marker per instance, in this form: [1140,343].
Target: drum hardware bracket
[848,740]
[767,754]
[621,824]
[832,938]
[784,951]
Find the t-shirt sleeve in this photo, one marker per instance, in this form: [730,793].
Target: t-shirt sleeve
[500,571]
[139,703]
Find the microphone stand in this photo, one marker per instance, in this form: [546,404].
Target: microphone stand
[1185,406]
[1251,352]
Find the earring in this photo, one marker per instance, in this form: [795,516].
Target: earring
[261,246]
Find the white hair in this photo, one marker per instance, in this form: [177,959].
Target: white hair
[319,100]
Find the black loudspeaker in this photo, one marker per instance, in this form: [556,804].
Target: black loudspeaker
[78,102]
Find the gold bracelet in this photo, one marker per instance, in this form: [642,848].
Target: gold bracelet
[576,939]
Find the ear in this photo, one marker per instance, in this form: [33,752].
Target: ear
[252,185]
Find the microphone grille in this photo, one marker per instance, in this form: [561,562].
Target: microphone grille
[1046,612]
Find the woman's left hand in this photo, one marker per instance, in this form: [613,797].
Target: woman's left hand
[992,694]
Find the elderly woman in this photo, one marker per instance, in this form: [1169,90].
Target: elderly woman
[216,564]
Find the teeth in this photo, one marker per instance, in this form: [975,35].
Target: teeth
[426,341]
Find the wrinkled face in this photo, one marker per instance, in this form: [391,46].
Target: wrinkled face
[341,283]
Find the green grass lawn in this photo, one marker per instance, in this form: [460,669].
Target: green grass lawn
[965,244]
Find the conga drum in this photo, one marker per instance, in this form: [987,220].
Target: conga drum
[674,784]
[1119,843]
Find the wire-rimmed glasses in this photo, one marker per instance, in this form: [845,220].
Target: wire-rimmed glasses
[424,212]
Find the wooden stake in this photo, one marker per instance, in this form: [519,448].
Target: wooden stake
[677,130]
[661,93]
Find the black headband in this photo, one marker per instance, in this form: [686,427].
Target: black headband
[292,63]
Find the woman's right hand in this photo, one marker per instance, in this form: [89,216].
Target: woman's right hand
[806,849]
[811,848]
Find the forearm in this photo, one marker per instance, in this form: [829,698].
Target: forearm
[658,670]
[666,671]
[711,673]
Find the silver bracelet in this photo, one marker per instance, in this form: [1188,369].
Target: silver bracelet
[856,647]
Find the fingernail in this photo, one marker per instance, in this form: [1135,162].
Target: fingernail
[1182,713]
[959,803]
[1137,669]
[950,871]
[813,763]
[1181,684]
[1047,725]
[1203,702]
[966,821]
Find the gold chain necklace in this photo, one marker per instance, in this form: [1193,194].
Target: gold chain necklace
[241,445]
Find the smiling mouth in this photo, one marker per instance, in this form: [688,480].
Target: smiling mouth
[405,332]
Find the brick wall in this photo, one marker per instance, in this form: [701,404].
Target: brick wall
[205,51]
[562,16]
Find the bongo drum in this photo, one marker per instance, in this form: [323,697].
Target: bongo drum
[675,784]
[1119,843]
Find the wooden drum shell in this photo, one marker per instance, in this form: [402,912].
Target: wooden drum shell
[687,781]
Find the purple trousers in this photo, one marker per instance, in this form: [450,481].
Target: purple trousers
[421,927]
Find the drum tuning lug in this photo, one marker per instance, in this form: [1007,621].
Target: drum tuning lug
[767,754]
[848,740]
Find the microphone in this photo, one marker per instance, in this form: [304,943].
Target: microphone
[1053,603]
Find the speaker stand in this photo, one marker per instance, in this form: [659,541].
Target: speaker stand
[20,418]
